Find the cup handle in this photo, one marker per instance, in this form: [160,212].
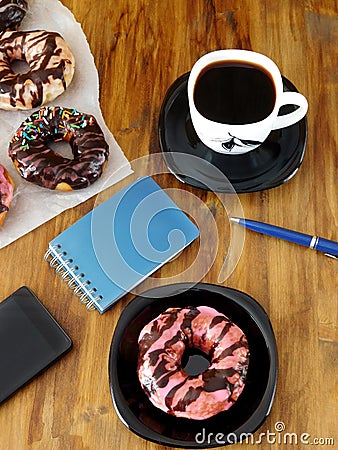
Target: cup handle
[291,98]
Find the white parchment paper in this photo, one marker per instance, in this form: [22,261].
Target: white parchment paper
[33,205]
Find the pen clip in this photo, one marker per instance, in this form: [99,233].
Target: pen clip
[331,256]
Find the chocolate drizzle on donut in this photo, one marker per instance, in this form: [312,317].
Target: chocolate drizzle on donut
[171,394]
[11,13]
[155,333]
[39,164]
[190,396]
[230,350]
[161,347]
[51,68]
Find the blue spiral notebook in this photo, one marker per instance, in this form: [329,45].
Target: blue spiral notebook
[120,243]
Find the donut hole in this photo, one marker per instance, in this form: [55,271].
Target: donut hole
[194,361]
[62,148]
[20,66]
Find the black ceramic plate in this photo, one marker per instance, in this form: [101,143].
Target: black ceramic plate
[149,422]
[269,165]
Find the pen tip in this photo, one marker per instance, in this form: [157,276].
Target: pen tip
[234,219]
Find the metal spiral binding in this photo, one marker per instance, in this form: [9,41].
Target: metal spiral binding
[55,257]
[89,303]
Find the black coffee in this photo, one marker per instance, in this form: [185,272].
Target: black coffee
[235,93]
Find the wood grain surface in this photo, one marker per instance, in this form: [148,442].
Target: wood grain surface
[140,47]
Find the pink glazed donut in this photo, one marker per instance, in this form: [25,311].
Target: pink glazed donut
[162,343]
[6,193]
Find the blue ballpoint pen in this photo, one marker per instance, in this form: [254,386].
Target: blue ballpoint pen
[330,248]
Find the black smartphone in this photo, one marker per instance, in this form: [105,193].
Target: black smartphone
[30,340]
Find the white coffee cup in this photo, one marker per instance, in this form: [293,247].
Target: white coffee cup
[238,115]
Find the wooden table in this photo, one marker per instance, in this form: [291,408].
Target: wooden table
[140,47]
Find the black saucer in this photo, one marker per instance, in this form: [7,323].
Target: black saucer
[269,165]
[245,416]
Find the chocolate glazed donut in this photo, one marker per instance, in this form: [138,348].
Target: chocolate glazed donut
[162,344]
[39,164]
[11,13]
[51,68]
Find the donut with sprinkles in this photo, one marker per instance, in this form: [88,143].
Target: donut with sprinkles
[36,162]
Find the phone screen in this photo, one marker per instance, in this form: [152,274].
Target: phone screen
[30,340]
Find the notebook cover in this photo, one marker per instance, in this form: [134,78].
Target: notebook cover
[119,243]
